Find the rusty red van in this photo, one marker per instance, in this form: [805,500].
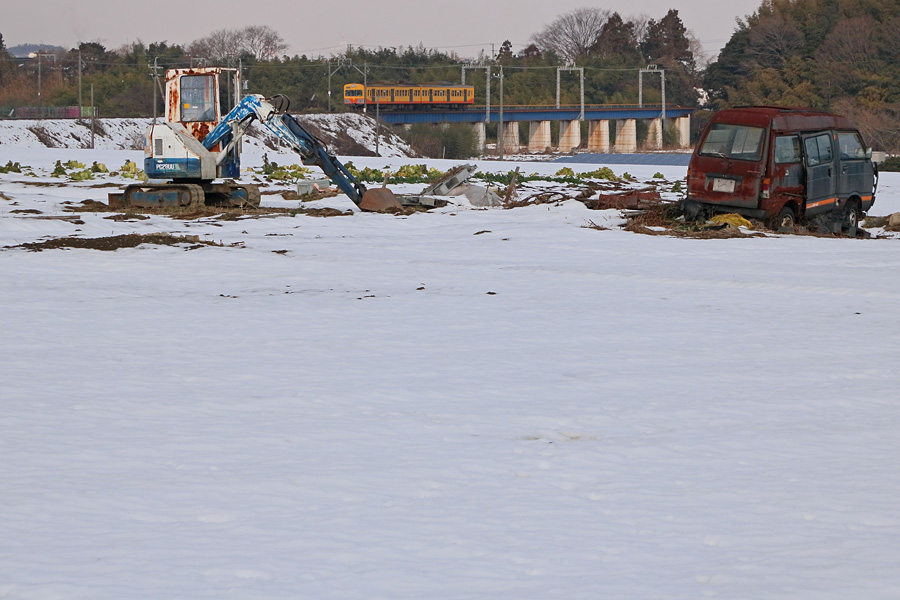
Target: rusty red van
[783,165]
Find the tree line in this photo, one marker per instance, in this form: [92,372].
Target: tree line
[839,55]
[608,47]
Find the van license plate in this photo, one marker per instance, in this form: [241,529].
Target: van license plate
[723,185]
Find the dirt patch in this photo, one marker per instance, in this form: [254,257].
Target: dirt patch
[127,217]
[181,212]
[26,211]
[326,212]
[115,242]
[292,195]
[43,183]
[87,206]
[43,136]
[5,197]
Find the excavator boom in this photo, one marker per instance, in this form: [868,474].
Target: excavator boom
[312,150]
[196,145]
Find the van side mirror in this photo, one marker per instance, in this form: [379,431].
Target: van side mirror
[869,153]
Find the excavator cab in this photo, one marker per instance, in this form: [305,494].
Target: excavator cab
[197,99]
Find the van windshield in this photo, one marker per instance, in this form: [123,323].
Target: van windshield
[739,142]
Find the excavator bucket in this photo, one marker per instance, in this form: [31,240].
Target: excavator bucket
[379,200]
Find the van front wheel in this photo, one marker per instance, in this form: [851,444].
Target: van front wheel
[784,220]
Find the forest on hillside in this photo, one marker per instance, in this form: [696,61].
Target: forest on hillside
[839,55]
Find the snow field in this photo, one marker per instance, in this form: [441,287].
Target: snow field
[559,411]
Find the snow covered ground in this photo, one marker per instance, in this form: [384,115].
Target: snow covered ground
[456,404]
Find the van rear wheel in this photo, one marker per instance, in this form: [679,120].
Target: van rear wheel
[784,220]
[851,214]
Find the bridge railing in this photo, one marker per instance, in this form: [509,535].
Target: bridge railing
[565,107]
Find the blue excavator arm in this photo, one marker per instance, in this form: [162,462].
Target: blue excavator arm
[270,114]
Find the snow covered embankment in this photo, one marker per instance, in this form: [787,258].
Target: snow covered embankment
[345,134]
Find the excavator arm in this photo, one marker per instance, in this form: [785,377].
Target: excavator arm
[272,114]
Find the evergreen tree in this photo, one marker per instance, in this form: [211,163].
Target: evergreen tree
[666,41]
[617,41]
[505,55]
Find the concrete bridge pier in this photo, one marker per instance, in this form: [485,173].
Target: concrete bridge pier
[626,136]
[683,127]
[538,136]
[654,139]
[598,136]
[569,135]
[511,136]
[479,135]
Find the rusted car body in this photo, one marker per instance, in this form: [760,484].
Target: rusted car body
[784,165]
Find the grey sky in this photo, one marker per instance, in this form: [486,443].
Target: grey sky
[464,26]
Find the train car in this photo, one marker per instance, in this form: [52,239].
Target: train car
[389,96]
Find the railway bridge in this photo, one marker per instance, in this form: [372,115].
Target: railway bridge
[599,117]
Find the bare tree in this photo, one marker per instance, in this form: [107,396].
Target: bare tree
[571,35]
[773,40]
[850,41]
[226,45]
[222,45]
[880,126]
[263,42]
[640,22]
[846,59]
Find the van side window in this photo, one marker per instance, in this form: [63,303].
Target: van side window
[734,141]
[818,150]
[851,146]
[787,149]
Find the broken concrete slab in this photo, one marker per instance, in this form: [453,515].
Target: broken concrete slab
[308,186]
[477,195]
[454,178]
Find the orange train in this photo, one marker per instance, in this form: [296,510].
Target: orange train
[408,96]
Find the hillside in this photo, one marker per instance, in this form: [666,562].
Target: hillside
[345,134]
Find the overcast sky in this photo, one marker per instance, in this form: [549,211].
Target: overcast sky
[313,28]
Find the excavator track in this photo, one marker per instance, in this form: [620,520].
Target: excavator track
[244,195]
[170,195]
[156,195]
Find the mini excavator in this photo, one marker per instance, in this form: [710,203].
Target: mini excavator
[193,157]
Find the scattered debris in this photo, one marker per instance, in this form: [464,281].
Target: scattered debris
[732,219]
[309,186]
[453,183]
[667,219]
[511,188]
[630,199]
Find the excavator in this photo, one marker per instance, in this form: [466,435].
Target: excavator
[193,157]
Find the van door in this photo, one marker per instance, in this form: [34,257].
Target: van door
[857,175]
[819,160]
